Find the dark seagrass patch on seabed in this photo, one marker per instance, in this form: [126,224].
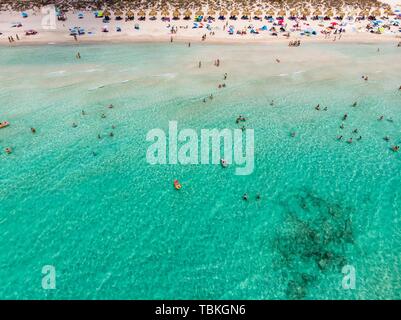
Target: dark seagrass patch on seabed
[311,240]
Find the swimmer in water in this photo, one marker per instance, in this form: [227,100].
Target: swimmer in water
[381,118]
[317,107]
[245,197]
[386,138]
[345,116]
[103,116]
[257,196]
[339,137]
[342,126]
[355,131]
[354,104]
[360,138]
[33,130]
[74,125]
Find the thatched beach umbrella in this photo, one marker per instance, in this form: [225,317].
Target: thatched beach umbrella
[317,12]
[165,13]
[329,13]
[293,13]
[223,13]
[389,12]
[258,13]
[118,13]
[199,13]
[246,13]
[153,13]
[306,12]
[376,13]
[106,13]
[130,14]
[211,13]
[270,12]
[176,14]
[340,14]
[234,13]
[187,13]
[281,13]
[141,13]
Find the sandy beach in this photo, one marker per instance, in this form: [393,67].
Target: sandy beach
[268,27]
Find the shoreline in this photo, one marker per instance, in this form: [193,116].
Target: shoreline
[55,39]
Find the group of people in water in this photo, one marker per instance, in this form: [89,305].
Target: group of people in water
[245,197]
[318,108]
[241,119]
[103,116]
[355,131]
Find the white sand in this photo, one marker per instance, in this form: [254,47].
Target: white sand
[158,31]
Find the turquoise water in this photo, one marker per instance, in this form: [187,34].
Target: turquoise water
[113,226]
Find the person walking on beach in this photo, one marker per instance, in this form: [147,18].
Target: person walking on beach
[189,44]
[200,64]
[17,37]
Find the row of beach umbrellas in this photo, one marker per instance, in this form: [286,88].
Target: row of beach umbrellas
[247,12]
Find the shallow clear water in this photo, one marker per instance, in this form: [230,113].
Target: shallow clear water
[114,227]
